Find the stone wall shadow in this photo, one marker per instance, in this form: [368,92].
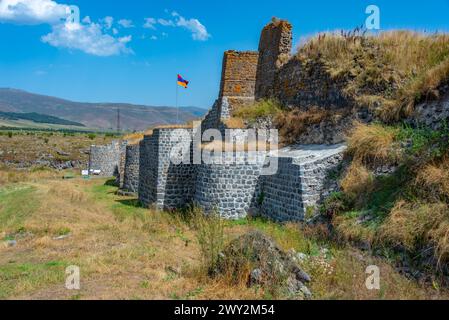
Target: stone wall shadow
[179,186]
[135,203]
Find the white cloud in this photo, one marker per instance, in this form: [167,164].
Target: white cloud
[166,23]
[149,23]
[108,22]
[114,31]
[125,39]
[87,38]
[153,38]
[31,12]
[126,23]
[197,29]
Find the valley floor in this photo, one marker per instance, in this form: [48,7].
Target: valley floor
[128,252]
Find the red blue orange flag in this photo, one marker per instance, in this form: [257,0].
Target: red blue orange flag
[182,82]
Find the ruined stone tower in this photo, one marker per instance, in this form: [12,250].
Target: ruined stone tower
[238,79]
[274,50]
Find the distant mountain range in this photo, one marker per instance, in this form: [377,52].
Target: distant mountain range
[38,118]
[20,104]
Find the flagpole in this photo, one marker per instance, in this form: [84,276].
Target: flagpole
[177,107]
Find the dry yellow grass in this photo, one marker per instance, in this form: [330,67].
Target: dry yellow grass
[358,182]
[175,126]
[414,224]
[292,124]
[235,123]
[433,180]
[349,229]
[134,138]
[372,144]
[126,252]
[8,176]
[25,148]
[391,71]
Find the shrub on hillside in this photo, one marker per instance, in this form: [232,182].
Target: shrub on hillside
[210,235]
[432,181]
[358,182]
[373,144]
[414,225]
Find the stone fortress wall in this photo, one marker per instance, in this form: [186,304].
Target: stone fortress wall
[163,184]
[304,175]
[238,78]
[293,82]
[132,169]
[230,189]
[236,189]
[105,159]
[302,181]
[275,48]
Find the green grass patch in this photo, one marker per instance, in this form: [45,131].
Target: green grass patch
[260,109]
[16,204]
[388,189]
[424,141]
[122,209]
[16,279]
[288,236]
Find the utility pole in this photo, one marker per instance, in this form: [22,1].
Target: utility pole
[118,120]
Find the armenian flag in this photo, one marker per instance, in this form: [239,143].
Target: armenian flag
[182,82]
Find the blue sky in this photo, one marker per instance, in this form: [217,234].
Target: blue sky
[107,60]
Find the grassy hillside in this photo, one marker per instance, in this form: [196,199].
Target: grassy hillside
[43,149]
[393,200]
[126,252]
[38,118]
[95,115]
[389,72]
[394,197]
[386,74]
[31,125]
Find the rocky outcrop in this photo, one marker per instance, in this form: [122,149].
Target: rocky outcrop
[270,267]
[433,114]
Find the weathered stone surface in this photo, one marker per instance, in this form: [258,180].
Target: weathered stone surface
[229,188]
[131,170]
[308,84]
[106,158]
[434,114]
[162,183]
[300,181]
[238,78]
[274,50]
